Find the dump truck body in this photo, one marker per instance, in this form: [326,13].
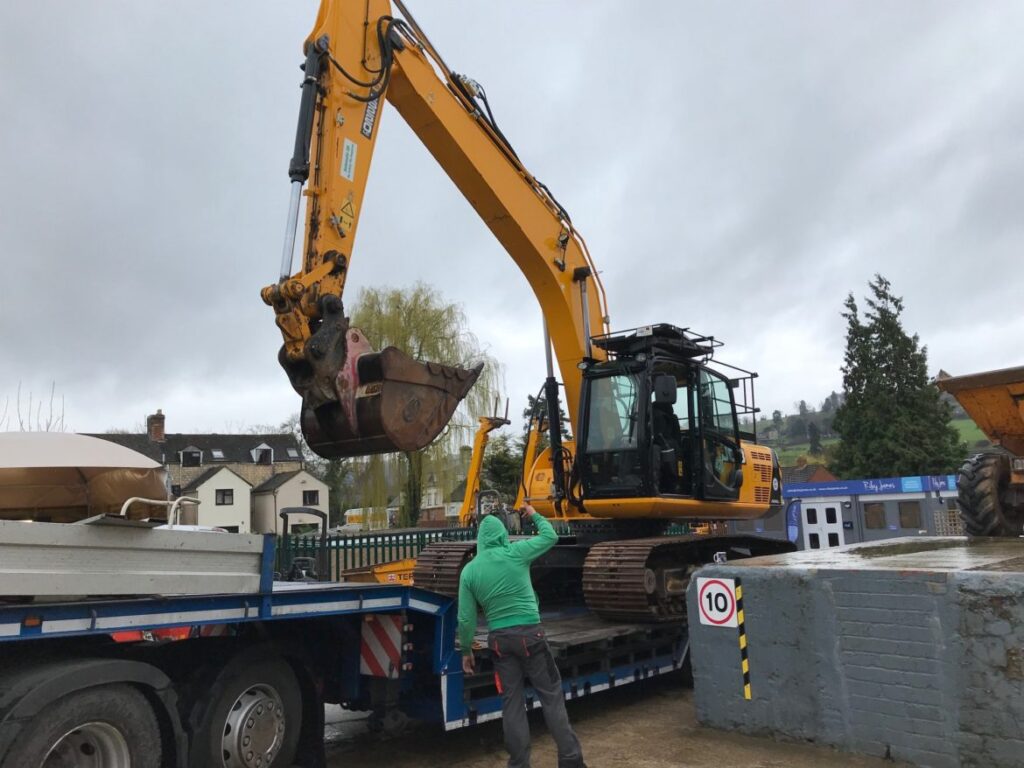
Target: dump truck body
[991,484]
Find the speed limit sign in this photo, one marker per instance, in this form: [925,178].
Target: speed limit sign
[717,601]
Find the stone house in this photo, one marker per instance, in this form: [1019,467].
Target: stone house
[194,461]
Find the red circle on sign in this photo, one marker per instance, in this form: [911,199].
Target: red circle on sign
[732,601]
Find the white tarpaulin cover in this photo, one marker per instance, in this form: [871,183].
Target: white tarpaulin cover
[69,473]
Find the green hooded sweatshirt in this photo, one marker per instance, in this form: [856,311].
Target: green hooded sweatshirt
[498,579]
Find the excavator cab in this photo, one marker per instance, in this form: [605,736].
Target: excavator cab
[658,421]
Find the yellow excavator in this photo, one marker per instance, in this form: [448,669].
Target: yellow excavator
[661,430]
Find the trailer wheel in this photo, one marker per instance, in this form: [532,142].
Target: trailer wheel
[982,489]
[251,718]
[110,726]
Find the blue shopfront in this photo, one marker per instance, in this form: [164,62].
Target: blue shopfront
[831,514]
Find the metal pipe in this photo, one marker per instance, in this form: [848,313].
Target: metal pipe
[547,351]
[291,227]
[586,316]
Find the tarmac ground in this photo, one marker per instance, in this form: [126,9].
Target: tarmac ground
[646,725]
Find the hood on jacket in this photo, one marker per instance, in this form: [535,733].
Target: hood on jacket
[492,533]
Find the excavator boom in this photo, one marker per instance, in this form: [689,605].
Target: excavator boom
[354,401]
[357,56]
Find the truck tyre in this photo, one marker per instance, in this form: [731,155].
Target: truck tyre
[109,726]
[982,496]
[250,717]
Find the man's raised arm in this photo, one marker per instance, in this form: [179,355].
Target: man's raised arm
[535,546]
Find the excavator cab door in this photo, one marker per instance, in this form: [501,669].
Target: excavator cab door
[612,465]
[672,459]
[721,456]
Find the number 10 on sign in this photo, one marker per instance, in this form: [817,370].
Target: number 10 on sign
[717,601]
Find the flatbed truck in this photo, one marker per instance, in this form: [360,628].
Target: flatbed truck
[202,680]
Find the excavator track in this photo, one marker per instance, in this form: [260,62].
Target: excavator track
[439,566]
[645,580]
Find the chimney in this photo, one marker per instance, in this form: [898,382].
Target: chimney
[155,426]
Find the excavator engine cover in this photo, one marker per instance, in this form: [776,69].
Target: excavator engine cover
[386,402]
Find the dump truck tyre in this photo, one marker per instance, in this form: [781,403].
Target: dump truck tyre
[109,725]
[981,496]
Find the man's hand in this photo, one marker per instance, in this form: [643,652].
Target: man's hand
[526,512]
[468,667]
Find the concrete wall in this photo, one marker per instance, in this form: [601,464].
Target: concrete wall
[918,665]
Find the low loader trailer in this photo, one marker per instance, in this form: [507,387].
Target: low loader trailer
[198,679]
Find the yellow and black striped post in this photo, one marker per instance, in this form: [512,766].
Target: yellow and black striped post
[744,660]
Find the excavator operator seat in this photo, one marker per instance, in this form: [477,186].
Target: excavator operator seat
[667,437]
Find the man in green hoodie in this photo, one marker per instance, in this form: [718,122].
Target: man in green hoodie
[498,580]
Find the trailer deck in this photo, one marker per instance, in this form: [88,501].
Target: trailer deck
[593,654]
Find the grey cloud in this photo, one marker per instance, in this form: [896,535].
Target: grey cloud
[734,167]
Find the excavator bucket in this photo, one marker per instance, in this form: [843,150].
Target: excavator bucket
[995,400]
[386,402]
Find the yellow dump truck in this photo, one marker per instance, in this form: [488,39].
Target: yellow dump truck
[991,484]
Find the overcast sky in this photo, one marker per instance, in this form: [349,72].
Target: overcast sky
[735,167]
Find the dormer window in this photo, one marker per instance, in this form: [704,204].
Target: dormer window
[293,453]
[262,454]
[217,454]
[191,457]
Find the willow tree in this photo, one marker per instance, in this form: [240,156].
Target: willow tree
[422,324]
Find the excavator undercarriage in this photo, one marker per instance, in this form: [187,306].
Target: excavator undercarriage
[641,580]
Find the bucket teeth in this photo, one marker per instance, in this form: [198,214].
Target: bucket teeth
[387,402]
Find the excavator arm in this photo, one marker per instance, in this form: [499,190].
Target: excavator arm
[357,56]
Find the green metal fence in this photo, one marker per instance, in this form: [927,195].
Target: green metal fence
[366,549]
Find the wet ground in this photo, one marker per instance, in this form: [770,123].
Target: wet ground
[652,726]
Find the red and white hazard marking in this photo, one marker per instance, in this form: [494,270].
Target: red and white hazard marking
[381,652]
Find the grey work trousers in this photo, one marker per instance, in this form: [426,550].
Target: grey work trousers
[519,653]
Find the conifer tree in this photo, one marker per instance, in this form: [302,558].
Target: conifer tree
[814,435]
[891,421]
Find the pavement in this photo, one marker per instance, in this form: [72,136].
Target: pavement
[646,725]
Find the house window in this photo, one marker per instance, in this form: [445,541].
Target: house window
[830,515]
[833,539]
[224,496]
[812,516]
[217,453]
[263,456]
[293,453]
[874,515]
[191,458]
[310,498]
[815,543]
[910,514]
